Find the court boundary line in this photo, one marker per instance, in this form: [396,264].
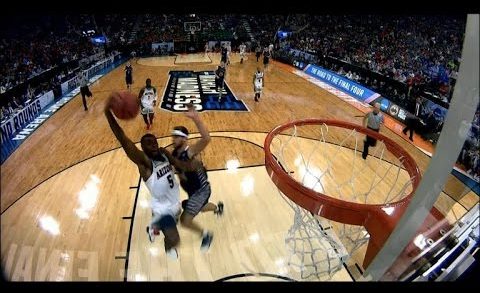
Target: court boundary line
[195,63]
[243,275]
[348,271]
[127,254]
[73,98]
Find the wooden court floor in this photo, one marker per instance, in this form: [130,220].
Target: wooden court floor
[73,205]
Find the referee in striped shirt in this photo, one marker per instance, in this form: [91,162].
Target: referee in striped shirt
[84,90]
[373,121]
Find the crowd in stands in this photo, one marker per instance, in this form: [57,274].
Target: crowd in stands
[421,50]
[32,50]
[470,155]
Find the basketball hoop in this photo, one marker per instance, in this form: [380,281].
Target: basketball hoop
[369,193]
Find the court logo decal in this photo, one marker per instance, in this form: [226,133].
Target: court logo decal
[198,88]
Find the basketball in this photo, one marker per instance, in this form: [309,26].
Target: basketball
[124,105]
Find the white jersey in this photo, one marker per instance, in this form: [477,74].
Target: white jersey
[258,78]
[163,187]
[270,48]
[149,95]
[258,82]
[242,49]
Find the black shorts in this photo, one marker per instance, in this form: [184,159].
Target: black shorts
[195,202]
[165,222]
[370,140]
[85,91]
[128,79]
[219,82]
[265,61]
[224,59]
[258,54]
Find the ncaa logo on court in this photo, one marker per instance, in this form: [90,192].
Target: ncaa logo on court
[198,88]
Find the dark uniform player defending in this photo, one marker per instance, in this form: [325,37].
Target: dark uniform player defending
[224,54]
[266,58]
[258,52]
[220,79]
[128,75]
[195,183]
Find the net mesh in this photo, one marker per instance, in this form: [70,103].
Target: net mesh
[328,160]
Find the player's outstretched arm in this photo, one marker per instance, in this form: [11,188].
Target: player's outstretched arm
[205,139]
[188,166]
[128,146]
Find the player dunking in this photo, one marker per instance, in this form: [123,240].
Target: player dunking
[220,79]
[242,48]
[195,183]
[128,75]
[148,100]
[258,83]
[154,165]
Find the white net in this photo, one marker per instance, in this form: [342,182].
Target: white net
[313,251]
[328,160]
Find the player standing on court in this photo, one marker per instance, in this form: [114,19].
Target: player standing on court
[229,53]
[195,183]
[128,75]
[266,58]
[220,79]
[258,51]
[148,100]
[224,54]
[258,83]
[373,121]
[242,48]
[84,90]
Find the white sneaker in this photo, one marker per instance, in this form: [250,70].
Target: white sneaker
[151,235]
[172,253]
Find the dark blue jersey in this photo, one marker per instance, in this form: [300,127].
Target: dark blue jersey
[224,54]
[220,72]
[191,181]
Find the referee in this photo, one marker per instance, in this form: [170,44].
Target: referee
[84,90]
[373,121]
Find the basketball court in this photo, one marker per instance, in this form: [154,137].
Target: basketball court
[73,206]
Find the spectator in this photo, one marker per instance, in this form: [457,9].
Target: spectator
[17,104]
[4,113]
[9,110]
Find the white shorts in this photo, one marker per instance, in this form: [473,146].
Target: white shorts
[158,213]
[242,54]
[258,87]
[147,110]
